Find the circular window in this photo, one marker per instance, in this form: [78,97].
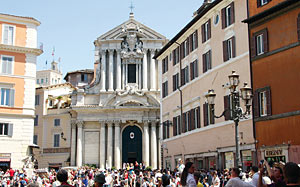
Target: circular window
[131,135]
[216,19]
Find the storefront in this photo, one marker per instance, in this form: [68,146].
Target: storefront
[5,159]
[247,159]
[229,160]
[275,154]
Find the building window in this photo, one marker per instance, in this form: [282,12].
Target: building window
[36,120]
[37,99]
[206,59]
[259,43]
[46,80]
[56,122]
[38,81]
[206,31]
[175,81]
[176,125]
[165,89]
[229,49]
[262,2]
[208,115]
[298,26]
[6,129]
[195,40]
[55,81]
[165,63]
[184,75]
[262,102]
[228,15]
[7,96]
[131,73]
[56,140]
[185,48]
[197,117]
[175,56]
[7,64]
[166,130]
[194,69]
[84,77]
[42,81]
[35,139]
[8,34]
[228,107]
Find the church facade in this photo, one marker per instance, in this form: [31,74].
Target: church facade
[116,118]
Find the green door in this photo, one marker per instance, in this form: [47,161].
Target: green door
[132,144]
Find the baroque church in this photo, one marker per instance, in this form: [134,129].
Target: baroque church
[116,118]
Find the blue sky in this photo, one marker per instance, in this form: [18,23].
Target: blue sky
[72,25]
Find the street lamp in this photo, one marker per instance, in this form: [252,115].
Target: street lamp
[237,112]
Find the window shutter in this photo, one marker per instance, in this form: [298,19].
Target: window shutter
[192,71]
[227,107]
[209,29]
[182,77]
[184,123]
[174,126]
[225,55]
[298,26]
[10,129]
[5,39]
[191,42]
[232,13]
[167,63]
[212,116]
[179,124]
[168,130]
[198,117]
[269,102]
[12,97]
[265,38]
[205,114]
[223,15]
[210,60]
[196,68]
[203,33]
[258,3]
[253,46]
[204,63]
[187,46]
[233,47]
[181,51]
[196,43]
[174,57]
[192,119]
[164,130]
[256,104]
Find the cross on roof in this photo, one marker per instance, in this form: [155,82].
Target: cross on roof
[131,7]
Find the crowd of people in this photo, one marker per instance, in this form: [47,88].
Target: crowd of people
[136,175]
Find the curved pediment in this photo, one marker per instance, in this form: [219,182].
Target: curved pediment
[119,32]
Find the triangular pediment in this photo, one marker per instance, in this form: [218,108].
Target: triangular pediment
[120,31]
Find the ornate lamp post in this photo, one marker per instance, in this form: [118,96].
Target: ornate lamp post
[237,112]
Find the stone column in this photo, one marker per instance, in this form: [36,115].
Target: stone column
[79,143]
[153,145]
[145,71]
[111,70]
[102,145]
[118,88]
[109,145]
[152,72]
[146,144]
[140,76]
[73,143]
[159,146]
[117,146]
[123,76]
[126,73]
[103,70]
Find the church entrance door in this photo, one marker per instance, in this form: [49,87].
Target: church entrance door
[132,144]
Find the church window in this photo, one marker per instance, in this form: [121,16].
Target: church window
[131,73]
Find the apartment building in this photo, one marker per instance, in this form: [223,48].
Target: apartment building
[49,76]
[18,54]
[275,44]
[199,58]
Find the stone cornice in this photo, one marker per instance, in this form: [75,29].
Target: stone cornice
[18,49]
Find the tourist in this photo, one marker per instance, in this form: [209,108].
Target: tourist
[187,175]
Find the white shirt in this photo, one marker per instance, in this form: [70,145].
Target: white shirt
[181,168]
[236,182]
[216,182]
[255,178]
[190,181]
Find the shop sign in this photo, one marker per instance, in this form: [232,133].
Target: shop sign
[5,155]
[273,153]
[229,160]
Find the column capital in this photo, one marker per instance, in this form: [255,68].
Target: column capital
[109,123]
[80,123]
[102,51]
[152,51]
[73,123]
[117,123]
[111,51]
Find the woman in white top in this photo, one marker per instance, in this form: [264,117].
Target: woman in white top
[187,176]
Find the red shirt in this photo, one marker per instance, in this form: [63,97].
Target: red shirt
[11,172]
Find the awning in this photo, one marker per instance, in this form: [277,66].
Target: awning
[4,159]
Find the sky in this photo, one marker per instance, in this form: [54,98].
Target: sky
[71,26]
